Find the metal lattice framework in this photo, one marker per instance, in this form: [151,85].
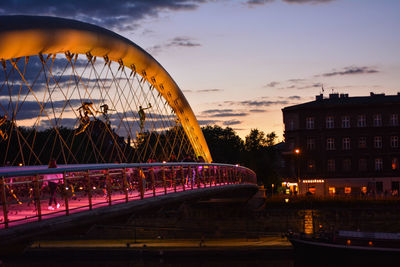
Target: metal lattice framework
[83,94]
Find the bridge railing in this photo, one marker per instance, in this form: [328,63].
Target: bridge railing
[30,194]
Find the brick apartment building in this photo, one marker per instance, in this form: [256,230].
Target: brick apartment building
[345,145]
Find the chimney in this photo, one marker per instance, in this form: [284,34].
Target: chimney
[320,97]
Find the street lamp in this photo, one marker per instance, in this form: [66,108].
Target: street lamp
[297,153]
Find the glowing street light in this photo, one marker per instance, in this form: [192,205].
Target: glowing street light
[297,151]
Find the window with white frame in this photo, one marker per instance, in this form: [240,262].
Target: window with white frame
[377,141]
[377,120]
[346,143]
[310,143]
[330,143]
[361,121]
[310,123]
[394,141]
[331,165]
[362,142]
[394,119]
[330,122]
[346,165]
[378,164]
[362,165]
[346,121]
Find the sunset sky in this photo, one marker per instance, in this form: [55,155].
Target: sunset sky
[240,62]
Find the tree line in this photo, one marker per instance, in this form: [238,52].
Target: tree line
[256,152]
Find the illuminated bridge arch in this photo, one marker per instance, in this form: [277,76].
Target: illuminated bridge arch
[123,77]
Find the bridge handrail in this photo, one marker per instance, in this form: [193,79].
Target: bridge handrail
[111,166]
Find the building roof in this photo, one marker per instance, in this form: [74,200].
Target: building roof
[344,100]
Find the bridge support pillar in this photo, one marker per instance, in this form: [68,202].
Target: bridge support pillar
[4,202]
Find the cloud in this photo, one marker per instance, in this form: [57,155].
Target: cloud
[207,122]
[231,122]
[258,2]
[350,71]
[272,84]
[117,14]
[209,90]
[176,42]
[220,113]
[203,91]
[263,2]
[307,1]
[296,97]
[31,109]
[257,103]
[296,80]
[258,110]
[314,85]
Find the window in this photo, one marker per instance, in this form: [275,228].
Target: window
[346,122]
[379,187]
[310,123]
[378,164]
[362,142]
[361,121]
[332,190]
[394,120]
[395,164]
[394,141]
[377,141]
[346,165]
[362,165]
[346,143]
[310,143]
[331,165]
[290,125]
[330,143]
[347,190]
[377,120]
[311,165]
[395,188]
[330,122]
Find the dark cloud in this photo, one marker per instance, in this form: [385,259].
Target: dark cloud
[350,71]
[258,110]
[203,91]
[272,84]
[296,80]
[209,90]
[32,109]
[211,111]
[258,2]
[182,42]
[220,113]
[257,103]
[307,1]
[314,85]
[262,2]
[176,42]
[231,122]
[117,14]
[207,122]
[294,97]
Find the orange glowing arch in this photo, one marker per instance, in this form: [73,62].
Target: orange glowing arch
[32,35]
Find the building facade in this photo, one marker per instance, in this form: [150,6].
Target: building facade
[345,145]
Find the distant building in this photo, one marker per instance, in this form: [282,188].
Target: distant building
[346,145]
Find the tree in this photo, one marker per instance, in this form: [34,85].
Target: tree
[260,155]
[224,144]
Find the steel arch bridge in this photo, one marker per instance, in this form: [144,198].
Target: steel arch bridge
[83,94]
[90,98]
